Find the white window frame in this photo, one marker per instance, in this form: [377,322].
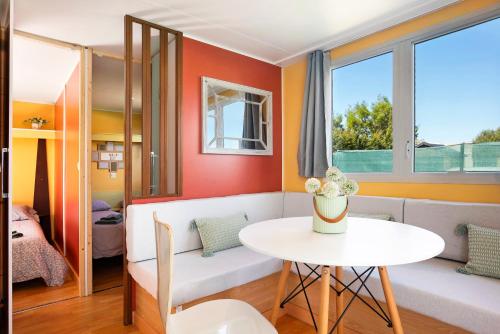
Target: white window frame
[403,113]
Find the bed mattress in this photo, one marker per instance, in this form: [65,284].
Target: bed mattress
[107,240]
[34,257]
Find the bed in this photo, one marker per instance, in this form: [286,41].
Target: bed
[32,255]
[107,239]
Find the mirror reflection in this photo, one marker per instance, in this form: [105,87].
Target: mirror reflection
[237,119]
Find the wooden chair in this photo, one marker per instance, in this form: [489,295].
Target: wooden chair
[216,316]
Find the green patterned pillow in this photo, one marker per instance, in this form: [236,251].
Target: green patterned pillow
[484,251]
[219,233]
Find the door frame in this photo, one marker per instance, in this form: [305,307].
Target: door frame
[6,141]
[83,154]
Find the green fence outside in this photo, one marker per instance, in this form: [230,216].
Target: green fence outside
[463,157]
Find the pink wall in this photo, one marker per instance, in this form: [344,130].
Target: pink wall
[58,181]
[208,175]
[72,175]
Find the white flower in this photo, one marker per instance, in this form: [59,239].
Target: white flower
[349,187]
[334,174]
[312,185]
[330,190]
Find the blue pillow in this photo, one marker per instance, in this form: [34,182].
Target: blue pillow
[100,205]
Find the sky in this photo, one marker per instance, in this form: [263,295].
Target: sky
[457,84]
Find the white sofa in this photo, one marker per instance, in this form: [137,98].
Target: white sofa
[431,287]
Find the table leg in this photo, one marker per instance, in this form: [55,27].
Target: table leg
[339,302]
[391,303]
[281,290]
[324,300]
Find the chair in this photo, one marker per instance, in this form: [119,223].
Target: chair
[223,316]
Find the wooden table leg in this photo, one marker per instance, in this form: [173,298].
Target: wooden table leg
[389,299]
[324,300]
[281,291]
[339,301]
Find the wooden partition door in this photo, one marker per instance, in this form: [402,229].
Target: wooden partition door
[153,92]
[5,47]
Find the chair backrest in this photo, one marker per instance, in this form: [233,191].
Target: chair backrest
[164,263]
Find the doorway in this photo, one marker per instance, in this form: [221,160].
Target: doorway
[107,171]
[45,224]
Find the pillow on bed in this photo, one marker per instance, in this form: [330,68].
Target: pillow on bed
[22,212]
[100,205]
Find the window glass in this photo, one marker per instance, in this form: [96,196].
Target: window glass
[457,101]
[362,115]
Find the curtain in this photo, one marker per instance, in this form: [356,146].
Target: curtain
[251,124]
[312,153]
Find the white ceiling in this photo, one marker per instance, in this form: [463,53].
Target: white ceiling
[107,85]
[275,31]
[40,70]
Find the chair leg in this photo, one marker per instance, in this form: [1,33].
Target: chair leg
[281,291]
[339,301]
[391,303]
[324,300]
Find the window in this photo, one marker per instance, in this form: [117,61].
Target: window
[421,109]
[362,115]
[457,101]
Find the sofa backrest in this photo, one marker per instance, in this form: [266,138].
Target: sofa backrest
[300,204]
[140,232]
[442,218]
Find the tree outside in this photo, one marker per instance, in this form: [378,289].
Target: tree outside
[487,136]
[370,128]
[366,127]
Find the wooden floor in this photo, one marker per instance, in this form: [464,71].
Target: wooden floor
[107,273]
[36,293]
[101,313]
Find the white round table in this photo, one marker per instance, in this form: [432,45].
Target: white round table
[367,242]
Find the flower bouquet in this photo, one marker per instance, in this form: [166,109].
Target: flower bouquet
[36,122]
[330,201]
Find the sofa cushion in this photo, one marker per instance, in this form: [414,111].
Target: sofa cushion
[196,276]
[300,204]
[435,289]
[140,232]
[484,252]
[443,217]
[219,233]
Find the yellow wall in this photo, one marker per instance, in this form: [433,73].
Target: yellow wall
[24,151]
[103,186]
[25,110]
[110,122]
[293,91]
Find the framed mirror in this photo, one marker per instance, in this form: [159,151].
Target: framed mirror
[237,119]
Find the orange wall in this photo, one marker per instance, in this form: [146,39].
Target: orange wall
[293,89]
[71,181]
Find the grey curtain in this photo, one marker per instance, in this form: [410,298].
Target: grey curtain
[312,158]
[251,125]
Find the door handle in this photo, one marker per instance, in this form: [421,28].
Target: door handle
[3,172]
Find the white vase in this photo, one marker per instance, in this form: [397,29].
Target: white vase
[35,125]
[330,208]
